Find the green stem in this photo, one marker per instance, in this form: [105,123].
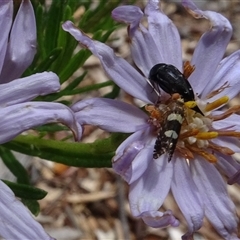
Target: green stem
[97,154]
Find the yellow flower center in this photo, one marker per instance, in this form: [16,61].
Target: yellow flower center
[197,131]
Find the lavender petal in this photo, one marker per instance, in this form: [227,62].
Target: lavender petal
[28,88]
[229,167]
[228,71]
[5,26]
[134,155]
[121,72]
[110,115]
[16,220]
[186,195]
[22,43]
[144,50]
[128,14]
[124,160]
[235,178]
[230,142]
[230,123]
[211,47]
[165,35]
[157,219]
[20,117]
[148,193]
[219,208]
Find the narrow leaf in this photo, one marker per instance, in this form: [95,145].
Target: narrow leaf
[14,165]
[25,191]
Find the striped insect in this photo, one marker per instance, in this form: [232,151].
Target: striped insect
[170,126]
[171,115]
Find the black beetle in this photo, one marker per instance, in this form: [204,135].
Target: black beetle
[171,80]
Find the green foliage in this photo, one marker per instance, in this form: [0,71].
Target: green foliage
[55,46]
[56,51]
[22,189]
[25,191]
[97,154]
[32,205]
[14,165]
[28,194]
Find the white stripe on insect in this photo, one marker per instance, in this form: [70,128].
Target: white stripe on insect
[175,116]
[171,134]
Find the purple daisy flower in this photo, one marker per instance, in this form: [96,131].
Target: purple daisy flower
[206,142]
[18,113]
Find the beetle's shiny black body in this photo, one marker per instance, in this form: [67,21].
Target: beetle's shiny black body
[171,80]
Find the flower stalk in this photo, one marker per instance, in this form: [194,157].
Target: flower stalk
[89,155]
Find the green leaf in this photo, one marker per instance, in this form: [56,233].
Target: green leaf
[76,82]
[114,93]
[69,92]
[32,205]
[100,17]
[73,4]
[66,42]
[84,18]
[40,39]
[51,128]
[26,191]
[67,14]
[54,18]
[89,88]
[14,165]
[48,61]
[97,154]
[76,61]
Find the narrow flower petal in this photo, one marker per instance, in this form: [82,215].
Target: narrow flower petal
[110,115]
[165,35]
[219,208]
[232,122]
[141,42]
[126,153]
[122,165]
[148,193]
[227,72]
[140,149]
[20,117]
[124,146]
[158,219]
[6,12]
[235,178]
[228,166]
[211,47]
[16,220]
[128,14]
[28,88]
[22,44]
[122,73]
[141,39]
[186,195]
[138,165]
[229,142]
